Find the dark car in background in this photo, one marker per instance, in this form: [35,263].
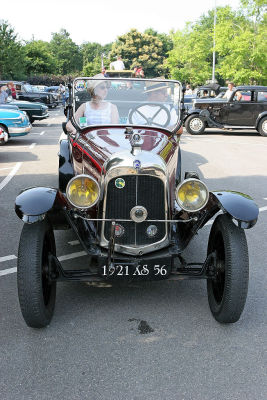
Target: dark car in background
[25,91]
[248,113]
[35,111]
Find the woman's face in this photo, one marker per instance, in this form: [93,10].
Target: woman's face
[101,90]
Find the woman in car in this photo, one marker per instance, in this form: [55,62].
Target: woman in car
[97,111]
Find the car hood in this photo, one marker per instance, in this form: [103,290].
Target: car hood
[102,145]
[27,104]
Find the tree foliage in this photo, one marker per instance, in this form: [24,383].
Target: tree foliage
[240,46]
[144,49]
[186,55]
[38,58]
[66,53]
[11,53]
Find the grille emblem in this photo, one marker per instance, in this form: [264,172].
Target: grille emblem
[137,164]
[119,183]
[138,214]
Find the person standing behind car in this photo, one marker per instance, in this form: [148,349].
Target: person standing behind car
[11,91]
[3,94]
[117,65]
[229,92]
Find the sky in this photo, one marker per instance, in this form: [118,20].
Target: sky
[101,21]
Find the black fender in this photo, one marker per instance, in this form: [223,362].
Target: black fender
[239,206]
[260,116]
[65,172]
[35,203]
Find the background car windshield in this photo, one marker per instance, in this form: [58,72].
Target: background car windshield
[128,101]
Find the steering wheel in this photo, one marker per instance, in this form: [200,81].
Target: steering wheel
[150,120]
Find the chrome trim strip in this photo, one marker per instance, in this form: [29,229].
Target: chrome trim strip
[20,130]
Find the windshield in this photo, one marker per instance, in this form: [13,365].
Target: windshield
[126,101]
[28,87]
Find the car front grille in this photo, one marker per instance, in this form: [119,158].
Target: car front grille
[142,190]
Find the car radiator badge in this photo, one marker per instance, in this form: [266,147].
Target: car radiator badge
[119,183]
[137,164]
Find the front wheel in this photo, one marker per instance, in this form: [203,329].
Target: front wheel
[36,292]
[195,125]
[227,290]
[263,127]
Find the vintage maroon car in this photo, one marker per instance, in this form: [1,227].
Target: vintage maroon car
[121,191]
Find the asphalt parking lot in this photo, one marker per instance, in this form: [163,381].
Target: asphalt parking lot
[96,346]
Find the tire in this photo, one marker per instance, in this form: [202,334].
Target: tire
[36,294]
[262,128]
[227,291]
[3,142]
[30,118]
[195,125]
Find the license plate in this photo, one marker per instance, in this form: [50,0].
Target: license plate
[135,270]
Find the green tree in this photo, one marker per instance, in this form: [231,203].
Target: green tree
[140,48]
[190,59]
[66,53]
[12,64]
[91,53]
[38,58]
[241,45]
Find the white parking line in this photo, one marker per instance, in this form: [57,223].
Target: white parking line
[74,242]
[72,255]
[32,145]
[6,258]
[10,175]
[8,271]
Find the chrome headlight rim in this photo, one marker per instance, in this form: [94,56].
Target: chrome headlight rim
[192,180]
[79,177]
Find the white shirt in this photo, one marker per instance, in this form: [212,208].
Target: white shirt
[117,65]
[228,93]
[100,116]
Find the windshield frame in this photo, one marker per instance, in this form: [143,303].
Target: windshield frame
[174,129]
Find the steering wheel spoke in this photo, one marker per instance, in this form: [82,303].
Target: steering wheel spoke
[151,120]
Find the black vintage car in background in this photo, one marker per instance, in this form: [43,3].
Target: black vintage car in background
[122,192]
[248,113]
[26,92]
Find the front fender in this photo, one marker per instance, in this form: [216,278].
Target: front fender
[260,116]
[240,206]
[34,203]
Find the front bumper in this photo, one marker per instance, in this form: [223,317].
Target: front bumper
[39,117]
[19,131]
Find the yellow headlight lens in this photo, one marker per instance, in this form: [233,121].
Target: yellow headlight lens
[192,195]
[83,191]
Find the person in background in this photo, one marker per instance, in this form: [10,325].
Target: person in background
[139,72]
[229,92]
[117,65]
[156,93]
[188,89]
[11,91]
[3,94]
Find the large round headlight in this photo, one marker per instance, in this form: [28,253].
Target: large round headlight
[83,191]
[192,195]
